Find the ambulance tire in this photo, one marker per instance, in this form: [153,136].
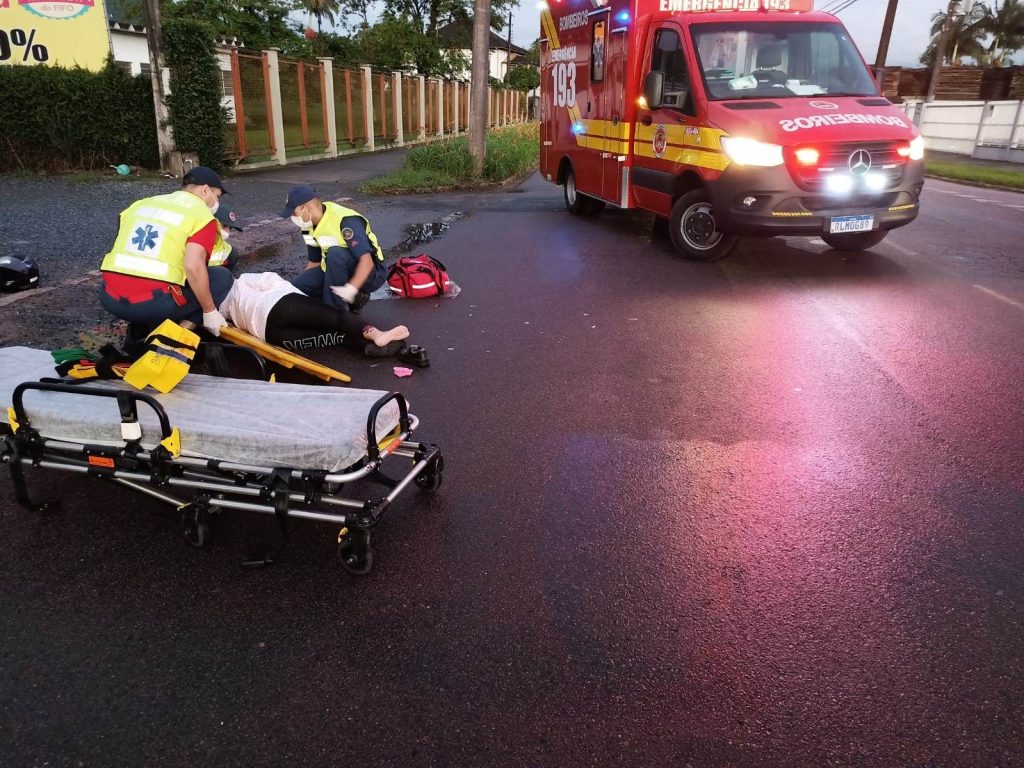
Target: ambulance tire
[693,231]
[855,241]
[576,202]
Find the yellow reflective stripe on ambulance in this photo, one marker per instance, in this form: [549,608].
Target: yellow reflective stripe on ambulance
[697,158]
[686,145]
[605,136]
[683,135]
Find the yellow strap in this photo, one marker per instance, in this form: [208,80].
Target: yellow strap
[15,426]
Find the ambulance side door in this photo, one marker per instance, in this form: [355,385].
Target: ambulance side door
[665,132]
[610,41]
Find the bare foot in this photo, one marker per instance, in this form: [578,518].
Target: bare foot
[383,338]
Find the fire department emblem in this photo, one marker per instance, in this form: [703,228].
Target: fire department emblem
[660,140]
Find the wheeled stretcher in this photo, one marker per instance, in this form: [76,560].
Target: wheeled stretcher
[212,443]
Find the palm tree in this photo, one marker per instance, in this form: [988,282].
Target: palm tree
[967,31]
[1006,25]
[321,8]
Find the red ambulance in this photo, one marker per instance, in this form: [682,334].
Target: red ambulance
[726,117]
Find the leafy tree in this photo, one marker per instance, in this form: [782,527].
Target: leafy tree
[1006,26]
[258,24]
[194,101]
[967,34]
[523,78]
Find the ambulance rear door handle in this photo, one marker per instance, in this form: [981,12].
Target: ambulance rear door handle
[615,119]
[646,120]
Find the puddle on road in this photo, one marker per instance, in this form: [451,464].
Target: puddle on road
[418,234]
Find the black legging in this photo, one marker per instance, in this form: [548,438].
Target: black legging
[299,322]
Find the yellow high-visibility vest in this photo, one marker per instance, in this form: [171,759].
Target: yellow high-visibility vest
[328,233]
[221,249]
[151,239]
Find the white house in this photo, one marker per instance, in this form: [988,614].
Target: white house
[128,45]
[458,36]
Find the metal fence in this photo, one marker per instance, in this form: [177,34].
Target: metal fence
[288,109]
[990,130]
[253,134]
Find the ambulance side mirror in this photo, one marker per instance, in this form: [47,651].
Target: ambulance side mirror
[654,84]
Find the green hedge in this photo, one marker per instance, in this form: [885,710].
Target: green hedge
[56,119]
[194,101]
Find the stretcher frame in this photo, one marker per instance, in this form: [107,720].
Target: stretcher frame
[285,492]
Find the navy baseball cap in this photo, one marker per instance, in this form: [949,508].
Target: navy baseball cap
[297,196]
[202,175]
[226,216]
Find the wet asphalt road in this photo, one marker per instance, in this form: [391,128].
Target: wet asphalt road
[766,512]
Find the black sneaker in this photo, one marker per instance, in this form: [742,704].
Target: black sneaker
[416,356]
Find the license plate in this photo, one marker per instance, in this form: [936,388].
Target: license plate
[840,224]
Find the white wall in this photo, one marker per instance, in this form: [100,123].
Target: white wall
[496,64]
[130,48]
[956,126]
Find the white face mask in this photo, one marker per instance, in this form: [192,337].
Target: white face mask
[215,206]
[300,222]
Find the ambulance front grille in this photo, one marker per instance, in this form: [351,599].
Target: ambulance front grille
[838,158]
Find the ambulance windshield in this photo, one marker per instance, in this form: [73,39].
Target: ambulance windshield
[758,60]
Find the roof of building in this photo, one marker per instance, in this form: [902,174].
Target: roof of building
[459,34]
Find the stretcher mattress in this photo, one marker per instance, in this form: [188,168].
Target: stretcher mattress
[235,420]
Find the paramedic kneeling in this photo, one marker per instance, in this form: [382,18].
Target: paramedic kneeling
[345,262]
[157,269]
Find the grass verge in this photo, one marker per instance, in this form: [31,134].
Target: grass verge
[978,174]
[511,151]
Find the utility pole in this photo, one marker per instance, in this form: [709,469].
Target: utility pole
[154,41]
[883,41]
[508,51]
[940,49]
[481,68]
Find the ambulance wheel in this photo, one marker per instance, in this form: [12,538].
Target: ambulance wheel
[355,550]
[576,202]
[693,229]
[855,241]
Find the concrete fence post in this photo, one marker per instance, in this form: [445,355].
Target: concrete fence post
[422,133]
[455,108]
[274,76]
[371,143]
[440,107]
[399,108]
[327,69]
[1014,127]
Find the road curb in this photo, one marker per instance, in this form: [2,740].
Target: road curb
[981,184]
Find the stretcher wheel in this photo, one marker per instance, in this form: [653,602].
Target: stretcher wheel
[432,476]
[195,525]
[355,550]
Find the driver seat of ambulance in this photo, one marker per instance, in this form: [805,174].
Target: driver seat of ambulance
[768,58]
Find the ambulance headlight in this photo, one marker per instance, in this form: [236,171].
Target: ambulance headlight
[917,148]
[743,151]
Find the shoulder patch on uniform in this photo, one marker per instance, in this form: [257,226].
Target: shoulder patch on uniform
[347,233]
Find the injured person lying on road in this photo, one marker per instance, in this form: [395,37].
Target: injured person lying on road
[270,308]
